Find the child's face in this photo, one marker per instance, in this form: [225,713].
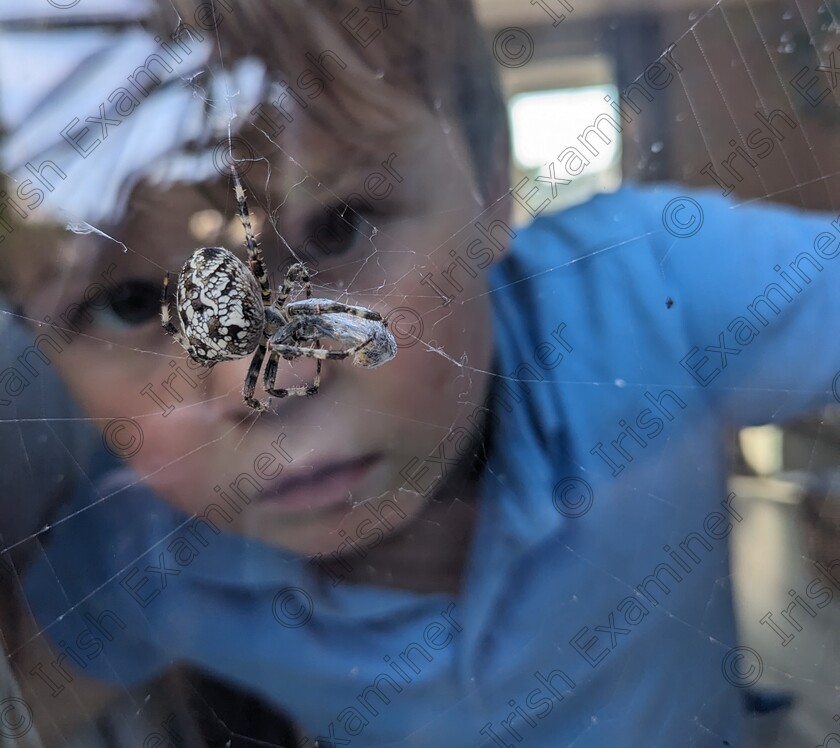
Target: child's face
[349,443]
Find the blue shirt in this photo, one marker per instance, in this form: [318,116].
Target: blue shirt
[597,606]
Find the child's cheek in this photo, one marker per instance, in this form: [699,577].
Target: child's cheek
[163,442]
[434,374]
[107,379]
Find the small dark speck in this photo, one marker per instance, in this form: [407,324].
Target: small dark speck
[669,302]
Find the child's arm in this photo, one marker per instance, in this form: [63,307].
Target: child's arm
[758,290]
[671,289]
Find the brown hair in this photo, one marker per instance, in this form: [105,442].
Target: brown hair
[432,49]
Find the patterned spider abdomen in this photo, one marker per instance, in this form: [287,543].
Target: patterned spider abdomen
[219,306]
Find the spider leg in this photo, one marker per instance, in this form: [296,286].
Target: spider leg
[296,273]
[332,307]
[271,375]
[321,354]
[271,367]
[251,379]
[166,316]
[255,258]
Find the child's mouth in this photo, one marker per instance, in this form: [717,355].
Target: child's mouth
[325,485]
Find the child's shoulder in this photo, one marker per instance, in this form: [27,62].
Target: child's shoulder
[656,217]
[601,249]
[634,214]
[627,252]
[586,293]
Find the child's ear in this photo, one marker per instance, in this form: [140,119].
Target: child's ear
[498,198]
[503,159]
[500,176]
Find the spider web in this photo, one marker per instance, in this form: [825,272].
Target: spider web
[725,49]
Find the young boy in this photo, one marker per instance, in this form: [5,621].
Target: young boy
[514,530]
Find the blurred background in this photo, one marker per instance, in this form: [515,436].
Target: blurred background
[560,59]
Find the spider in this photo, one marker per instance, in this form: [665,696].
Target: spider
[226,312]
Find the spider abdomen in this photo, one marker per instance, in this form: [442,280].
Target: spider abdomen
[219,305]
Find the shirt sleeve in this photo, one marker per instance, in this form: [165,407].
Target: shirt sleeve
[76,588]
[758,293]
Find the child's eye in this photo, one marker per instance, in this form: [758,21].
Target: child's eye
[133,303]
[341,230]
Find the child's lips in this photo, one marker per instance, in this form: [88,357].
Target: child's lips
[325,485]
